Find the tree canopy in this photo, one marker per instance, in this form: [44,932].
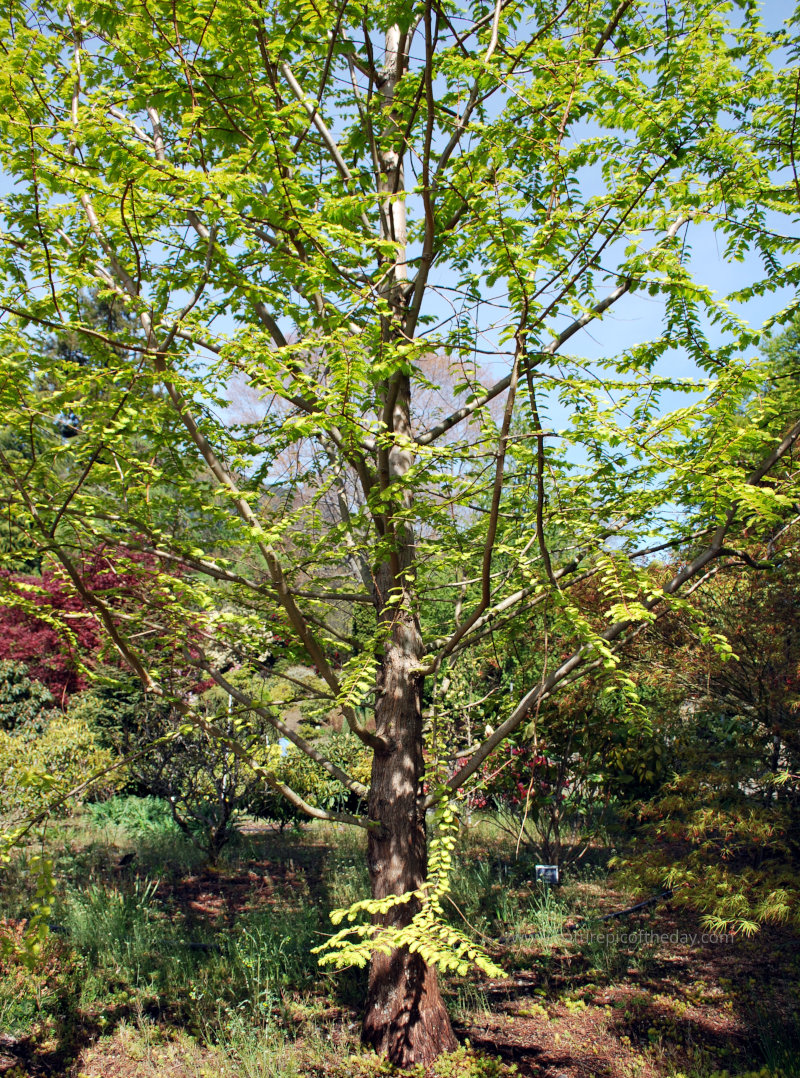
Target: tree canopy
[354,245]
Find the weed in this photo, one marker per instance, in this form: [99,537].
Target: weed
[470,1005]
[268,955]
[105,918]
[779,1040]
[602,951]
[473,890]
[547,914]
[257,1051]
[347,880]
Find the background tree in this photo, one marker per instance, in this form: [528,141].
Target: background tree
[722,825]
[205,785]
[313,200]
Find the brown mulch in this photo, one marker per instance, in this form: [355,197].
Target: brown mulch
[680,1007]
[690,1003]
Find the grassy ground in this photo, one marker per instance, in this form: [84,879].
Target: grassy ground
[160,968]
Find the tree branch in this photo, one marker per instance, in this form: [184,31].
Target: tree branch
[551,348]
[579,657]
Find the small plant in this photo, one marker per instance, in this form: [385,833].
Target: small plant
[256,1051]
[535,1010]
[547,914]
[574,1006]
[603,952]
[348,881]
[135,817]
[466,1062]
[268,955]
[114,926]
[471,1003]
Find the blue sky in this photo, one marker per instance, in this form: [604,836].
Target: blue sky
[637,317]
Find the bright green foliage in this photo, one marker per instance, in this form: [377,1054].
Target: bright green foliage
[136,817]
[427,932]
[38,768]
[352,246]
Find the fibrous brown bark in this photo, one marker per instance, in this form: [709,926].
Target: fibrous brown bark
[405,1019]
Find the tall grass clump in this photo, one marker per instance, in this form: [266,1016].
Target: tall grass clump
[546,913]
[111,926]
[134,817]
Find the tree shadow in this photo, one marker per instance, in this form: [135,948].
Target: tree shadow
[186,942]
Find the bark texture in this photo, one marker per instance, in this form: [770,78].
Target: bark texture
[405,1019]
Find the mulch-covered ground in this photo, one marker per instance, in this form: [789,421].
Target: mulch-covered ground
[629,1006]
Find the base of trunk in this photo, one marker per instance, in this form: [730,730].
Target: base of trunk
[406,1020]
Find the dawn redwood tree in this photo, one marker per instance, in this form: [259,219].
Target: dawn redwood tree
[313,199]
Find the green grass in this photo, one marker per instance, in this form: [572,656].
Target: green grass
[140,957]
[137,952]
[133,817]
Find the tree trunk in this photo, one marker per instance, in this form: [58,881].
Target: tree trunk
[405,1019]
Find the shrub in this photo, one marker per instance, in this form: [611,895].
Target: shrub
[197,775]
[311,782]
[24,702]
[37,767]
